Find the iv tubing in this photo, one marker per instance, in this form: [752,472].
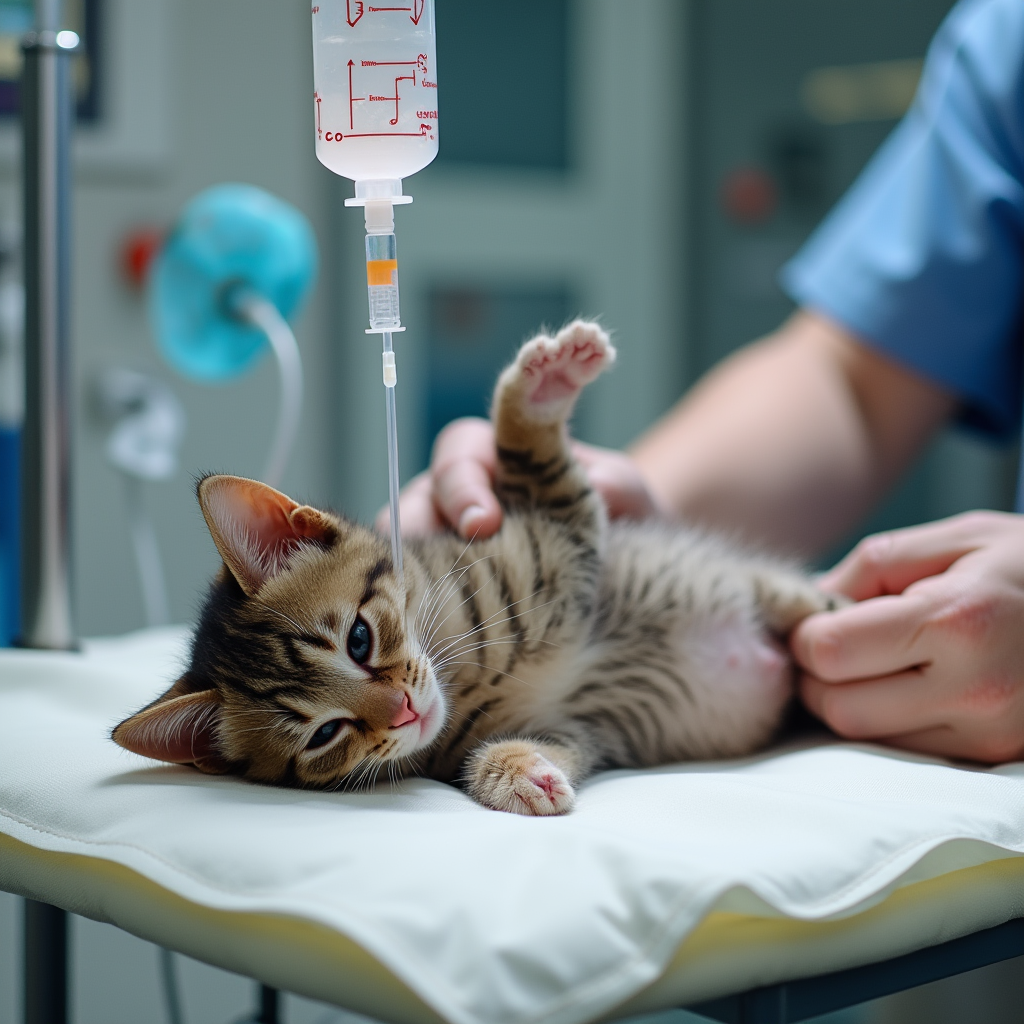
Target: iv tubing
[393,481]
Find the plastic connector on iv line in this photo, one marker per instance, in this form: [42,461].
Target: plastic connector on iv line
[386,189]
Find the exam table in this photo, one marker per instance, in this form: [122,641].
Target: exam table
[677,886]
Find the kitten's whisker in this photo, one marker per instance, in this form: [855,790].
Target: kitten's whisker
[439,583]
[467,598]
[482,625]
[442,667]
[487,668]
[448,652]
[357,780]
[435,586]
[456,638]
[348,778]
[456,719]
[277,611]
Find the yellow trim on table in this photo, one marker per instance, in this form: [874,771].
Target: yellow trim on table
[315,961]
[929,912]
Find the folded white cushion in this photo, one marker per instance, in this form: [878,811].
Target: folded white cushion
[476,915]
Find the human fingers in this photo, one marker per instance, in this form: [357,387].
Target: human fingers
[416,508]
[462,478]
[875,708]
[887,563]
[876,637]
[616,477]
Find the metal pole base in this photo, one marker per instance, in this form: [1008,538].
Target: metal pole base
[270,1006]
[46,964]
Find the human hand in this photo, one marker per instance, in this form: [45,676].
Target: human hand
[931,657]
[458,489]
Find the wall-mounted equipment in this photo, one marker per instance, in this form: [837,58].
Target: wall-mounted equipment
[234,267]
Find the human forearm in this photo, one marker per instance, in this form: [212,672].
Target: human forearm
[790,441]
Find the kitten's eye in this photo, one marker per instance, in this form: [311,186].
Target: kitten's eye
[325,733]
[359,641]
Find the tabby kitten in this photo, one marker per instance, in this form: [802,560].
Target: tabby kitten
[514,666]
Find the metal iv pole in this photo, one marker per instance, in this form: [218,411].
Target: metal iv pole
[46,477]
[46,621]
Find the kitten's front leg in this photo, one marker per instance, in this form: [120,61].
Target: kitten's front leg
[532,402]
[523,776]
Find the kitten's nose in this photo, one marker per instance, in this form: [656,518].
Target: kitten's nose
[404,714]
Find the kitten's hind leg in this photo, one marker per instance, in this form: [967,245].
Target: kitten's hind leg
[523,776]
[532,402]
[786,597]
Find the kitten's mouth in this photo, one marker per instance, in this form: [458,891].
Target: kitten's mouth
[426,721]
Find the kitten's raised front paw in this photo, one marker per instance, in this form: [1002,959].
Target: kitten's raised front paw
[554,369]
[514,776]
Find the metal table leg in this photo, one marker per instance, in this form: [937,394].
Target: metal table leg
[46,964]
[270,1006]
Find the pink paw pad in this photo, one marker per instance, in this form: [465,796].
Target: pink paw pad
[552,790]
[546,782]
[558,370]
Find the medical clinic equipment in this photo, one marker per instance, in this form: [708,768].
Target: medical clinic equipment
[148,424]
[375,92]
[237,263]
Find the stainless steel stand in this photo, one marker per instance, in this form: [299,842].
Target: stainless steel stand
[46,619]
[46,964]
[46,461]
[270,1006]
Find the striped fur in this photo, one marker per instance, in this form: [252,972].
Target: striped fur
[514,666]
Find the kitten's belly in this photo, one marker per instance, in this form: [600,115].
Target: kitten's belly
[740,680]
[713,686]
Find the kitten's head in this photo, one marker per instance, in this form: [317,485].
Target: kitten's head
[306,667]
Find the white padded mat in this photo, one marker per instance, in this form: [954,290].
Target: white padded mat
[486,917]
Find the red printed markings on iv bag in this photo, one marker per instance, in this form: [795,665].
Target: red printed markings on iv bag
[424,132]
[354,11]
[420,62]
[417,65]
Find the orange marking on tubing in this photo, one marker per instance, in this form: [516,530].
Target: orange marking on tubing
[381,271]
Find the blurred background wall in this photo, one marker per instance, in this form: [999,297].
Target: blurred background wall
[652,163]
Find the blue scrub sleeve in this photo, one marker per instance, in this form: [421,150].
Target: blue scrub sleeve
[923,256]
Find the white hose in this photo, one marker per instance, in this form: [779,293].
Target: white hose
[262,314]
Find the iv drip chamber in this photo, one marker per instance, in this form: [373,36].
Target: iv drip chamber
[375,88]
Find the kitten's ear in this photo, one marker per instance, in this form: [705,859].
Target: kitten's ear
[257,529]
[177,727]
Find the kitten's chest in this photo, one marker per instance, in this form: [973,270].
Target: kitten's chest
[522,695]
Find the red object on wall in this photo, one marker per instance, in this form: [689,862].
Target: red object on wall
[749,195]
[138,249]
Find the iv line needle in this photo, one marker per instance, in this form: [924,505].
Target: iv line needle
[393,482]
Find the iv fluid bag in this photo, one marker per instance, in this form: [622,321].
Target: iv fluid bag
[375,87]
